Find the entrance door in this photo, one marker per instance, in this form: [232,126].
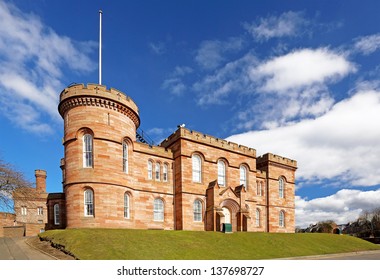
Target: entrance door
[226,219]
[227,216]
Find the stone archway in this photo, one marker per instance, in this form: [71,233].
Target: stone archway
[336,231]
[231,208]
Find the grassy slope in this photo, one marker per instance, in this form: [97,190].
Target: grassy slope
[112,244]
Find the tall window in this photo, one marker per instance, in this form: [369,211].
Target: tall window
[126,206]
[165,172]
[197,168]
[158,210]
[40,211]
[243,176]
[259,190]
[23,210]
[87,150]
[88,202]
[257,221]
[56,214]
[221,173]
[157,171]
[150,170]
[125,157]
[281,219]
[281,184]
[197,208]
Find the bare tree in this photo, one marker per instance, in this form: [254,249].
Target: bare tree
[11,181]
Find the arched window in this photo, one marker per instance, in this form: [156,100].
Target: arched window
[257,220]
[88,202]
[56,214]
[126,206]
[281,187]
[197,168]
[221,173]
[259,190]
[158,210]
[150,170]
[157,171]
[87,150]
[125,157]
[165,172]
[281,219]
[243,176]
[197,209]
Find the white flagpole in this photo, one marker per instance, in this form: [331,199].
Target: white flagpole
[100,47]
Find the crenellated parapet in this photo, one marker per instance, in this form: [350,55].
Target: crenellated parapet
[275,159]
[195,136]
[98,96]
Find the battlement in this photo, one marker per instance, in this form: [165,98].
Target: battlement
[207,140]
[276,158]
[98,95]
[153,150]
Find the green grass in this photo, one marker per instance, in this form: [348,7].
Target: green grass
[123,244]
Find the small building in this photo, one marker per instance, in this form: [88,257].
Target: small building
[30,206]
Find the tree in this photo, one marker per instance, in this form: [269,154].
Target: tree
[11,180]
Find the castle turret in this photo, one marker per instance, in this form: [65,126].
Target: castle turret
[99,131]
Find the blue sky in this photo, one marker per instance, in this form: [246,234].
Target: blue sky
[295,78]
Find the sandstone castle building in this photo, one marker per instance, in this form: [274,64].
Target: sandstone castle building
[191,181]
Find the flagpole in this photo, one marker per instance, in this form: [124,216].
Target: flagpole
[100,47]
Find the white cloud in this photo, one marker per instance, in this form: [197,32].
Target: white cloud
[174,83]
[287,24]
[301,68]
[231,78]
[158,48]
[342,207]
[32,60]
[368,44]
[210,54]
[342,145]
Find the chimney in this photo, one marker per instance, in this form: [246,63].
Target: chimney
[40,181]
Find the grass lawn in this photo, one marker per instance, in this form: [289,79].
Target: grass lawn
[128,244]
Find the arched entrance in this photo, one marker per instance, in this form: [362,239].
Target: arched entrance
[336,231]
[226,217]
[230,209]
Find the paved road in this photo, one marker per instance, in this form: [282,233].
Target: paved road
[363,255]
[18,249]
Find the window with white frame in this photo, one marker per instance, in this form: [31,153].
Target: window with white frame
[89,203]
[56,214]
[281,186]
[221,173]
[157,171]
[257,220]
[158,210]
[281,219]
[125,157]
[40,211]
[87,150]
[150,170]
[197,209]
[197,168]
[126,206]
[23,210]
[165,172]
[243,176]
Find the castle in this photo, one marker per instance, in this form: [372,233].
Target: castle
[191,181]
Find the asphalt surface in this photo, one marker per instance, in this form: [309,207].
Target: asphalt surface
[19,249]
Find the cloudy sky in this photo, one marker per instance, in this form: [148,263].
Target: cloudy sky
[295,78]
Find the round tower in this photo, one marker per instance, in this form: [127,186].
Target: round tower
[99,131]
